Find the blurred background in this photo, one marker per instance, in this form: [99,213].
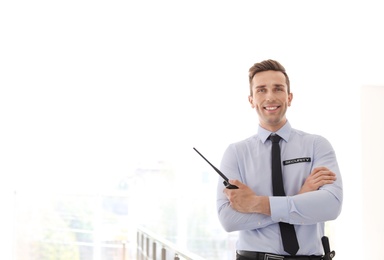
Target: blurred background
[101,103]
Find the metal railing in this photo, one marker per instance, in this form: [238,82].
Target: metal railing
[152,247]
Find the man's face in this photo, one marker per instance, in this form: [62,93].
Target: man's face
[270,98]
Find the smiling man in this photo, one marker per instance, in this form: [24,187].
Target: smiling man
[271,98]
[278,217]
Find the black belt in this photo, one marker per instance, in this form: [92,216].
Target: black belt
[267,256]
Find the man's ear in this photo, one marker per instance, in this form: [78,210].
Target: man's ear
[290,97]
[250,99]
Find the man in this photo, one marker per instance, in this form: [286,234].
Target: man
[310,173]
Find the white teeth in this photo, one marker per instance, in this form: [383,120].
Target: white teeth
[270,108]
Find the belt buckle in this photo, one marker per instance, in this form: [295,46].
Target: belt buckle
[273,257]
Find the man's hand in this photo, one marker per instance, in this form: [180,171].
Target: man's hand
[245,200]
[318,177]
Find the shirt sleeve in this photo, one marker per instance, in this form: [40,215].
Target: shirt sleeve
[316,206]
[230,219]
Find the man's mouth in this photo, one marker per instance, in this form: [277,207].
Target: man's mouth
[271,108]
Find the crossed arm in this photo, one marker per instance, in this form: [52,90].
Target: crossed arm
[245,200]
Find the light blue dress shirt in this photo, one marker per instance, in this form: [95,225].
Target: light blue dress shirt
[249,161]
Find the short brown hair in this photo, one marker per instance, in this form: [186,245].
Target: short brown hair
[266,65]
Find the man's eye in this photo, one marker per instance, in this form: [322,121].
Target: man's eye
[260,90]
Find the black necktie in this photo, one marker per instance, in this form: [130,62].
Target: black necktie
[288,234]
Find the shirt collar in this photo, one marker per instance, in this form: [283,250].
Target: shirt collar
[283,132]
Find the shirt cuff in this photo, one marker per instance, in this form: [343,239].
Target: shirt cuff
[279,209]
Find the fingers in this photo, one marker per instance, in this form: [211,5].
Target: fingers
[322,176]
[319,169]
[323,172]
[236,182]
[319,177]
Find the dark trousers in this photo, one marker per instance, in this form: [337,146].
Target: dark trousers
[239,257]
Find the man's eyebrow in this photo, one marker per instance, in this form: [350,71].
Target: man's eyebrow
[275,85]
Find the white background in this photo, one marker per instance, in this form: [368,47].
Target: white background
[90,89]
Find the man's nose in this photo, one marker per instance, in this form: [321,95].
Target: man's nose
[270,96]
